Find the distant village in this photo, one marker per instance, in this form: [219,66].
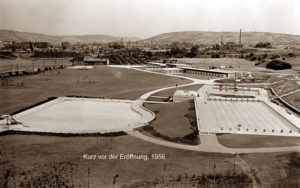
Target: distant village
[142,52]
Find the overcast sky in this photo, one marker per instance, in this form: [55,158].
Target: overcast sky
[145,18]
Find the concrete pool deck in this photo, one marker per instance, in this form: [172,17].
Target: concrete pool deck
[80,115]
[257,115]
[242,117]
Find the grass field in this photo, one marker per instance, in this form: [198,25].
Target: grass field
[45,160]
[177,125]
[294,61]
[240,64]
[237,64]
[293,99]
[7,65]
[285,86]
[274,169]
[100,82]
[254,141]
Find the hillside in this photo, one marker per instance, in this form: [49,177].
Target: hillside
[196,37]
[10,35]
[199,37]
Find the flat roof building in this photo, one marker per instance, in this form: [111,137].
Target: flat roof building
[157,65]
[210,72]
[95,61]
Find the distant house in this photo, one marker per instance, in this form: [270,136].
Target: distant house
[42,45]
[157,65]
[231,46]
[210,72]
[95,61]
[171,70]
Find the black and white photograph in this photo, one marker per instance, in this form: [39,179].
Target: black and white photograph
[149,93]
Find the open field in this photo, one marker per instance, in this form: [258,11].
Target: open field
[44,160]
[293,99]
[48,160]
[285,86]
[294,61]
[178,124]
[274,169]
[260,73]
[237,64]
[254,141]
[99,82]
[7,65]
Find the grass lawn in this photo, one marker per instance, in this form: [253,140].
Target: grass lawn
[99,82]
[293,99]
[25,64]
[253,141]
[285,87]
[36,161]
[49,160]
[174,122]
[236,63]
[260,73]
[294,61]
[274,169]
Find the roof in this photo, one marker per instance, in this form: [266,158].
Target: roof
[179,65]
[93,59]
[171,68]
[222,71]
[159,64]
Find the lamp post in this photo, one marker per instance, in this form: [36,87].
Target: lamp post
[88,177]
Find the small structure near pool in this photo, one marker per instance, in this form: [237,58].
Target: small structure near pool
[183,95]
[95,61]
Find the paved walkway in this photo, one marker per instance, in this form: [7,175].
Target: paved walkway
[209,143]
[148,115]
[290,93]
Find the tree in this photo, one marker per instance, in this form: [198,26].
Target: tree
[215,55]
[278,65]
[263,45]
[194,51]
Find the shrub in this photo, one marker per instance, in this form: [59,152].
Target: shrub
[7,55]
[291,54]
[253,58]
[278,65]
[274,57]
[215,55]
[263,45]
